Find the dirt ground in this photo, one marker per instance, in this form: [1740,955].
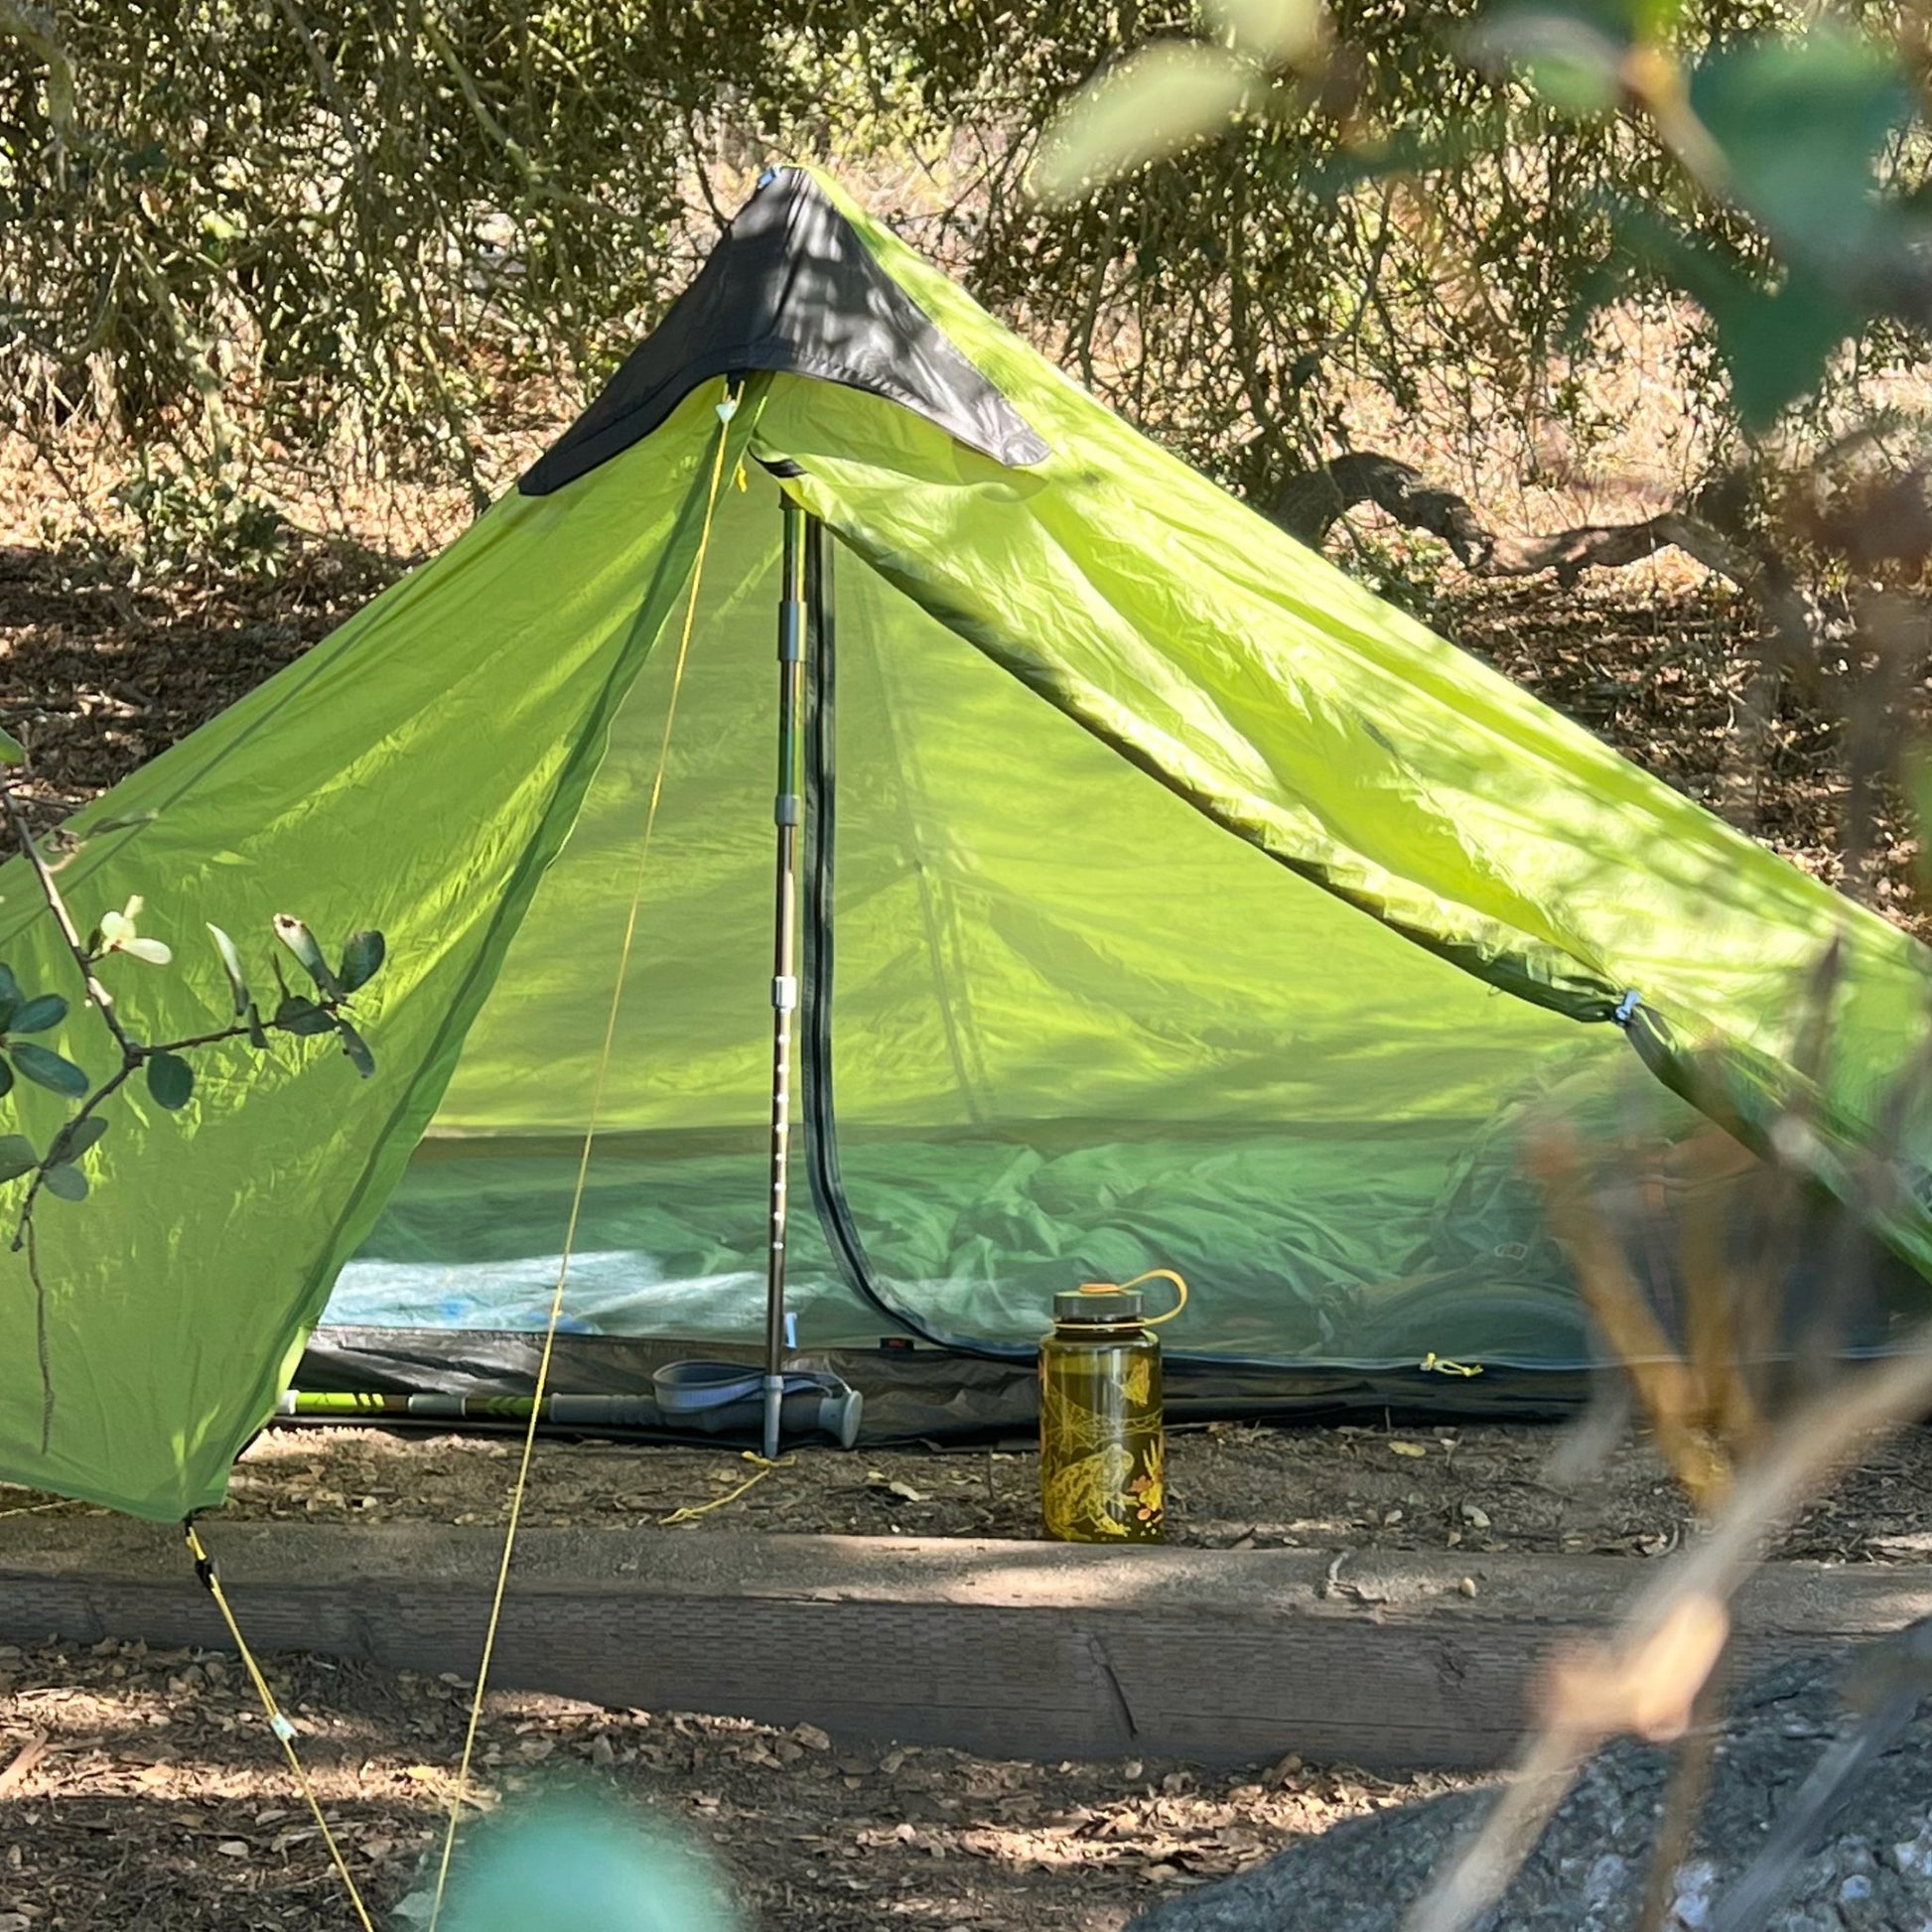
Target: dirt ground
[1476,1488]
[140,1788]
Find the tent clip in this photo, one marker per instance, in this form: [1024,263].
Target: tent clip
[204,1563]
[1627,1007]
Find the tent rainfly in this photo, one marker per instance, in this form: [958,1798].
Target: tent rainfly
[1166,900]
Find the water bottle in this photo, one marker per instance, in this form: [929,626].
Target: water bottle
[1102,1449]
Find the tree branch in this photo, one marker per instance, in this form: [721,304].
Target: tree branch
[103,1000]
[24,1225]
[1309,506]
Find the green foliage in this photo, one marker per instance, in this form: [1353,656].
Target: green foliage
[63,1182]
[1802,125]
[171,1080]
[48,1069]
[193,511]
[38,1015]
[165,1068]
[1160,100]
[301,1016]
[356,1047]
[77,1136]
[301,943]
[361,960]
[1169,95]
[231,221]
[1793,131]
[364,224]
[1741,159]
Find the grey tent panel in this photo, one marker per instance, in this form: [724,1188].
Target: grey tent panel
[793,287]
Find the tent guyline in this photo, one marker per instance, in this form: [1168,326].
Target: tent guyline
[1400,907]
[279,1723]
[519,1487]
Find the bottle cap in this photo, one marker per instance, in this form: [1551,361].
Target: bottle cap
[1099,1303]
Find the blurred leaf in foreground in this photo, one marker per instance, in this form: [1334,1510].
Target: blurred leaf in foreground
[567,1865]
[1168,96]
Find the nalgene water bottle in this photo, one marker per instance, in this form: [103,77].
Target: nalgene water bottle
[1102,1452]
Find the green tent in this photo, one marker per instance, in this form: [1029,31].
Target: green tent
[1168,901]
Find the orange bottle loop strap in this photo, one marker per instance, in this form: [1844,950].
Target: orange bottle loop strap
[1152,1275]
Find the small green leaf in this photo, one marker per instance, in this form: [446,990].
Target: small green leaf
[301,943]
[65,1183]
[6,1079]
[38,1015]
[11,996]
[358,1049]
[77,1136]
[171,1080]
[362,959]
[297,1014]
[17,1157]
[48,1069]
[12,751]
[257,1032]
[232,965]
[154,951]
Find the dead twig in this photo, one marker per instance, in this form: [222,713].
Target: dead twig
[1645,1677]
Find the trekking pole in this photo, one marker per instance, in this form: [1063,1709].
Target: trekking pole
[787,812]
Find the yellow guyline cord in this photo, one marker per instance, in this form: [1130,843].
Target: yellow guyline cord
[725,411]
[284,1730]
[692,1511]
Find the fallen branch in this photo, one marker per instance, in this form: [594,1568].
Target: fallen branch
[1310,504]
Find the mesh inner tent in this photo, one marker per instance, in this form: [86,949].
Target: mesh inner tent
[1070,1030]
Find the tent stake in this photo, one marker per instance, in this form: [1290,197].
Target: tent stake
[786,813]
